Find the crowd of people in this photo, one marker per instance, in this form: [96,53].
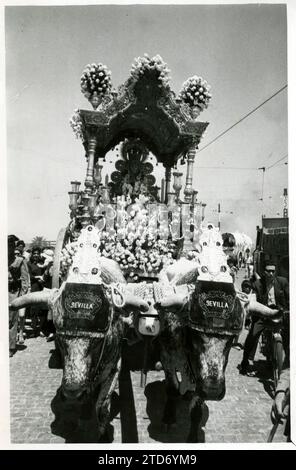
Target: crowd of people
[29,270]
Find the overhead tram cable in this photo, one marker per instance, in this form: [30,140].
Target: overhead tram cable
[243,118]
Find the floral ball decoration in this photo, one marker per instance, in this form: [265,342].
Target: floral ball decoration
[95,83]
[76,124]
[196,92]
[142,65]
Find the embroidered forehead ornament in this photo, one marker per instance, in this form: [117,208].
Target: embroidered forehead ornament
[86,263]
[216,309]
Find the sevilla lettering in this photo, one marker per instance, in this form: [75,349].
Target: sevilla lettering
[217,304]
[86,306]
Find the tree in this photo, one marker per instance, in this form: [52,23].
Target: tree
[39,241]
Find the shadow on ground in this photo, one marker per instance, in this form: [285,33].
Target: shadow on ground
[264,376]
[156,399]
[79,424]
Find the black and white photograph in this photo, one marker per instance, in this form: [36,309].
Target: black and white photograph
[147,193]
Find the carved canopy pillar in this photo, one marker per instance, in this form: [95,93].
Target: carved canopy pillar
[188,190]
[89,180]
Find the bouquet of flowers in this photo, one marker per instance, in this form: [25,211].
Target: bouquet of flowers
[155,64]
[76,124]
[196,92]
[95,82]
[136,255]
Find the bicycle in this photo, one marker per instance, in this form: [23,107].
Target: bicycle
[272,344]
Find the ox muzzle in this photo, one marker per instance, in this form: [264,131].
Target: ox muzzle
[212,389]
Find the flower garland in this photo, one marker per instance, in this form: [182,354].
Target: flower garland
[147,64]
[76,124]
[95,81]
[196,92]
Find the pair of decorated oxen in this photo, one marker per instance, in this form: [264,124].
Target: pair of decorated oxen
[194,309]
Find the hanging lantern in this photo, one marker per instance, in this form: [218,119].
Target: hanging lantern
[177,183]
[75,186]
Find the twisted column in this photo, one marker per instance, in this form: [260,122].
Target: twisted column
[89,180]
[168,176]
[188,190]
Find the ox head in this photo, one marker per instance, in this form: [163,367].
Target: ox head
[88,313]
[210,315]
[211,312]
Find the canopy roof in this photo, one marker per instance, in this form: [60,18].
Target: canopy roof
[145,109]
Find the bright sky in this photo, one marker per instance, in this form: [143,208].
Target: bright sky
[239,49]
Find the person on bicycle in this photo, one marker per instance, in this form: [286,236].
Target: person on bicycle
[273,291]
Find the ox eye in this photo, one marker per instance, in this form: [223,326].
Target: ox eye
[89,228]
[223,269]
[75,270]
[204,244]
[95,245]
[94,271]
[218,243]
[204,269]
[81,245]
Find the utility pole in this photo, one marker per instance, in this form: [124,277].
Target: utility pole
[263,168]
[219,212]
[285,196]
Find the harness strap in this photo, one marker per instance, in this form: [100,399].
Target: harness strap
[104,343]
[80,333]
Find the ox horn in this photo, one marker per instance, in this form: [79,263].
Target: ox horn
[174,301]
[124,300]
[33,298]
[254,307]
[133,302]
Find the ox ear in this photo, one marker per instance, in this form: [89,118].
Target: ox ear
[41,298]
[254,307]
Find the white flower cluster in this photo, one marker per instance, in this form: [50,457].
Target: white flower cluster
[67,255]
[76,124]
[147,64]
[95,80]
[135,254]
[136,247]
[196,92]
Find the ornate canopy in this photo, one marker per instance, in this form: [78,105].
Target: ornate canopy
[143,109]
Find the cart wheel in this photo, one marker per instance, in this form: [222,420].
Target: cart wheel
[61,242]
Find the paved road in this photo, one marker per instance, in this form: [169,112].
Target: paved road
[242,416]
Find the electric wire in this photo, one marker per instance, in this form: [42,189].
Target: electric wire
[243,118]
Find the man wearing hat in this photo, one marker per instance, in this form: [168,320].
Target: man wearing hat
[271,290]
[18,284]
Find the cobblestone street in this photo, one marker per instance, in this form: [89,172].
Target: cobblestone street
[242,416]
